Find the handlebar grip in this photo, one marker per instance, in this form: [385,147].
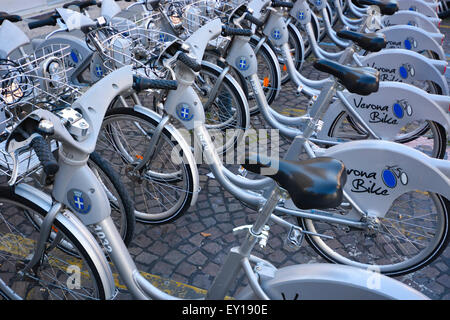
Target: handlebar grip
[51,21]
[45,155]
[81,4]
[281,4]
[227,31]
[252,19]
[189,62]
[141,83]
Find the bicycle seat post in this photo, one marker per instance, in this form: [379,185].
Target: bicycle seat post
[255,232]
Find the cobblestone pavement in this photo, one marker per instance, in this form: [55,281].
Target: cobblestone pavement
[192,249]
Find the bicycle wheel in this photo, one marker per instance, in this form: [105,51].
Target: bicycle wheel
[269,73]
[53,277]
[122,209]
[226,114]
[163,189]
[413,233]
[427,136]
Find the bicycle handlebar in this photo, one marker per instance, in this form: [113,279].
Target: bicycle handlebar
[281,4]
[45,155]
[141,83]
[228,31]
[50,21]
[189,62]
[82,4]
[248,16]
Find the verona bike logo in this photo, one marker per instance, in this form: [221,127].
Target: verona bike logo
[375,182]
[383,113]
[406,70]
[392,175]
[410,43]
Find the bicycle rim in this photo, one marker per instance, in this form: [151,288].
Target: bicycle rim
[54,278]
[163,188]
[411,235]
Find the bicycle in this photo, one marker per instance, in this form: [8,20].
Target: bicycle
[278,286]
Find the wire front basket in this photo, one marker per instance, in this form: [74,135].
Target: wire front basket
[139,47]
[38,80]
[198,13]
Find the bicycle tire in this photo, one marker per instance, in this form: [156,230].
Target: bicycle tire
[127,222]
[19,246]
[114,152]
[395,269]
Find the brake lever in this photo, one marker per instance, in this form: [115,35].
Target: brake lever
[15,171]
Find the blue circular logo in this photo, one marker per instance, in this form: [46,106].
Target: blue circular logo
[318,2]
[79,201]
[242,63]
[301,15]
[398,110]
[276,34]
[403,72]
[389,178]
[184,112]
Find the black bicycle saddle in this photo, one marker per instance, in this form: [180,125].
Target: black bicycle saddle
[387,7]
[359,80]
[372,42]
[312,184]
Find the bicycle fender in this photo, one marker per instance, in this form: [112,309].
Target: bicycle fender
[412,18]
[299,37]
[187,151]
[324,281]
[401,65]
[390,109]
[77,228]
[426,8]
[413,39]
[381,171]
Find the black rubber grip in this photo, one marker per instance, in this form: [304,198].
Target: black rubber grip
[281,4]
[51,21]
[81,4]
[45,155]
[252,19]
[189,62]
[228,31]
[141,83]
[10,17]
